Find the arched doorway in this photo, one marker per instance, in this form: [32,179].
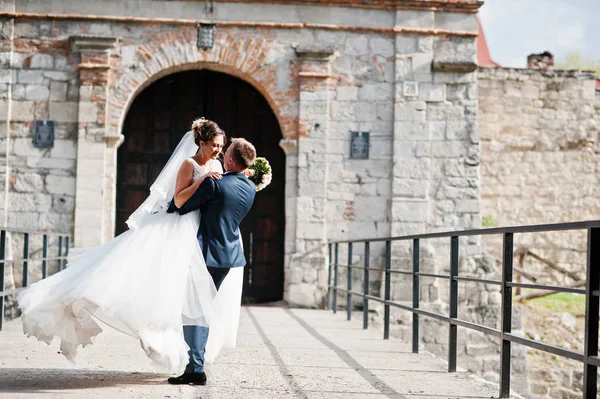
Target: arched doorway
[155,123]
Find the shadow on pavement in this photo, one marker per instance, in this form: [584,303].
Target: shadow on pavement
[41,379]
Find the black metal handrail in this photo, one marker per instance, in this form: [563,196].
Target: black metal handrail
[62,243]
[589,357]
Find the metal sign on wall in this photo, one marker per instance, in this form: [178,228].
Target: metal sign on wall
[410,89]
[359,145]
[43,136]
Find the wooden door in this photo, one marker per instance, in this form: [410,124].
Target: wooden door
[157,120]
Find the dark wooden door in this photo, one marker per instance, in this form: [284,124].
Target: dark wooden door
[155,123]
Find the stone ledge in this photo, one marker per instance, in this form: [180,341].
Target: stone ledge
[241,24]
[460,67]
[81,43]
[289,146]
[315,53]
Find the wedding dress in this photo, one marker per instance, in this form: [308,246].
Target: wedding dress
[147,283]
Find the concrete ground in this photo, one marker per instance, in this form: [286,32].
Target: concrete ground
[281,353]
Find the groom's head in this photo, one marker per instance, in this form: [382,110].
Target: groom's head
[240,155]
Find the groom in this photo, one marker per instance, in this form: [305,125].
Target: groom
[223,204]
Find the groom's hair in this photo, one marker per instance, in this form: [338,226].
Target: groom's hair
[243,152]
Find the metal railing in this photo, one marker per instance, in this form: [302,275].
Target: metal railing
[589,357]
[62,243]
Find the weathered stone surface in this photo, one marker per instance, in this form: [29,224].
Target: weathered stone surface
[347,93]
[59,75]
[37,92]
[535,166]
[58,91]
[28,183]
[302,294]
[41,61]
[382,46]
[23,111]
[63,185]
[432,92]
[415,19]
[64,111]
[88,112]
[7,76]
[30,77]
[357,45]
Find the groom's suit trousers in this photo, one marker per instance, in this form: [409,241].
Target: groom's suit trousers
[197,336]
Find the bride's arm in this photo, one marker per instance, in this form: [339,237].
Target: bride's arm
[184,188]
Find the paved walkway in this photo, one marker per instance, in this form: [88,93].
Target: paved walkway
[281,353]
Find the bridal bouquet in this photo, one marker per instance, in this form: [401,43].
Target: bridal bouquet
[262,173]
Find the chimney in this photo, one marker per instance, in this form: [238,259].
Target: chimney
[544,60]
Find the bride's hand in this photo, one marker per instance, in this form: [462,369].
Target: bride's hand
[248,172]
[210,175]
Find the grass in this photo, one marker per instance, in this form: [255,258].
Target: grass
[561,302]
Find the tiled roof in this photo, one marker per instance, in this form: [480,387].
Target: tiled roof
[484,58]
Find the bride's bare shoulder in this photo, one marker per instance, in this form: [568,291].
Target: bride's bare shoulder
[187,166]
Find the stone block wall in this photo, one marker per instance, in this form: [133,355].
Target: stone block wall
[422,174]
[540,159]
[39,81]
[44,85]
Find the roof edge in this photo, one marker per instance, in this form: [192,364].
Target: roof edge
[463,6]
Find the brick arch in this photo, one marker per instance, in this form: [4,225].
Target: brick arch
[248,59]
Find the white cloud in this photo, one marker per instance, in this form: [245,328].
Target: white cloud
[517,28]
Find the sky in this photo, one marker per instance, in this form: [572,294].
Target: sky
[516,28]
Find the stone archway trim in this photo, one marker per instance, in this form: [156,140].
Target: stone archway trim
[252,60]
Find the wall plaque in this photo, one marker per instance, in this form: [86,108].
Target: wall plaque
[359,145]
[43,136]
[411,89]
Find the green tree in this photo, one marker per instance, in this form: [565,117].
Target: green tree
[578,61]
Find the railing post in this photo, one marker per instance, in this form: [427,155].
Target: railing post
[45,257]
[2,271]
[329,277]
[366,287]
[67,239]
[415,299]
[453,338]
[26,259]
[335,277]
[592,306]
[59,253]
[386,307]
[507,276]
[349,295]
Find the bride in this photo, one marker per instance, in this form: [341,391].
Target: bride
[149,281]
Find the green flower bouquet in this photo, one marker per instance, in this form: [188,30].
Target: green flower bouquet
[262,174]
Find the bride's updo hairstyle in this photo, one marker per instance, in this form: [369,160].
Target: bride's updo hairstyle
[204,131]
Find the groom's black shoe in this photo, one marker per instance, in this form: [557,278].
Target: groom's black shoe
[189,379]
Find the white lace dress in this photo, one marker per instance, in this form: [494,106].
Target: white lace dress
[146,283]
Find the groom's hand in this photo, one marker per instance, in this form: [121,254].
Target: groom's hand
[172,207]
[212,175]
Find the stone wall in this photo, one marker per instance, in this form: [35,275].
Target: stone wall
[540,155]
[45,85]
[422,174]
[38,82]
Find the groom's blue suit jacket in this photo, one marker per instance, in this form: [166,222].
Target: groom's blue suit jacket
[223,205]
